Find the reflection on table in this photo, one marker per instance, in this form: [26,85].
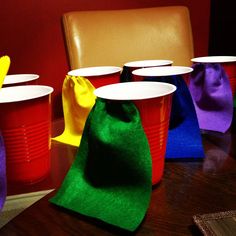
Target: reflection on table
[187,188]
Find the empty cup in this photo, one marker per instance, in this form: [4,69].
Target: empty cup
[25,123]
[20,79]
[153,100]
[99,75]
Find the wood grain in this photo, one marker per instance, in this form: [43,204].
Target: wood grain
[188,188]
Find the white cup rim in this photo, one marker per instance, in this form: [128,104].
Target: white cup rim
[95,71]
[23,93]
[19,78]
[163,71]
[148,63]
[138,90]
[214,59]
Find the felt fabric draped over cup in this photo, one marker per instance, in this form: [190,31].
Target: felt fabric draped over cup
[110,178]
[212,96]
[4,67]
[2,173]
[5,62]
[77,100]
[184,137]
[126,75]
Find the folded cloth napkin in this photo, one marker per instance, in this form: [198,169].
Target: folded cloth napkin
[212,96]
[3,186]
[184,136]
[77,100]
[110,178]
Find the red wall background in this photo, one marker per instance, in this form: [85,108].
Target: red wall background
[31,34]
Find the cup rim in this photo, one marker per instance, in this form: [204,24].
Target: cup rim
[214,59]
[19,78]
[137,90]
[148,63]
[24,92]
[94,71]
[163,71]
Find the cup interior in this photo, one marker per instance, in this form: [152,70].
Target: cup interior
[22,93]
[19,78]
[148,63]
[95,71]
[163,71]
[214,59]
[134,90]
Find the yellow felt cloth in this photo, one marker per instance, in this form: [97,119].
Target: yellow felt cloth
[77,101]
[4,67]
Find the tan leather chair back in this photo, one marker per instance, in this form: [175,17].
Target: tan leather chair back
[114,37]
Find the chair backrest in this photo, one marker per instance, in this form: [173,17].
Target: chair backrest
[114,37]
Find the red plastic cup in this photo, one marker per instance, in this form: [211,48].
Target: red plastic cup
[134,65]
[20,79]
[156,72]
[228,63]
[25,122]
[99,75]
[153,100]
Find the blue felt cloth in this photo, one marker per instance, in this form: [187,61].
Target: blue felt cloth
[184,137]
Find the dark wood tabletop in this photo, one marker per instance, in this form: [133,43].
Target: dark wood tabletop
[186,189]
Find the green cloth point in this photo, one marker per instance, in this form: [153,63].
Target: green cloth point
[110,178]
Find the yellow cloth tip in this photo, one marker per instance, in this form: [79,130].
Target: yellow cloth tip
[70,139]
[6,59]
[4,67]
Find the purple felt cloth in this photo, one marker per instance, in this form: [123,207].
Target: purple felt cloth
[212,96]
[2,173]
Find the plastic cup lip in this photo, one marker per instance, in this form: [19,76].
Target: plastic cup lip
[95,71]
[214,59]
[19,78]
[163,71]
[148,63]
[23,93]
[134,90]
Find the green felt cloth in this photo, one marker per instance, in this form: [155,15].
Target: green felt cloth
[110,178]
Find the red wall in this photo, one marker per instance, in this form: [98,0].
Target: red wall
[31,34]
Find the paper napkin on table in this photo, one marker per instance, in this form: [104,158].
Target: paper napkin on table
[77,100]
[212,96]
[184,136]
[110,178]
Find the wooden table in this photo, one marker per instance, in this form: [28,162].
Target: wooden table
[187,188]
